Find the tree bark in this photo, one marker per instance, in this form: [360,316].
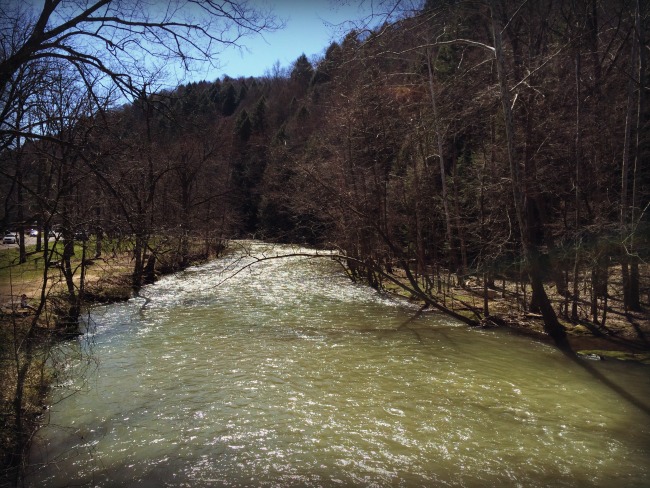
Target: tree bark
[578,176]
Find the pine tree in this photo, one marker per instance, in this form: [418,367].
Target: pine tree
[215,92]
[243,126]
[229,104]
[302,71]
[258,118]
[243,91]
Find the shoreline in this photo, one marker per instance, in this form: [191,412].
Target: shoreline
[626,337]
[108,281]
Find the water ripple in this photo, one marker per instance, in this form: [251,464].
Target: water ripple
[286,374]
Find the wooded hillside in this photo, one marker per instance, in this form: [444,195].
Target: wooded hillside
[473,141]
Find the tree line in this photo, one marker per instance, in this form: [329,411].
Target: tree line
[484,140]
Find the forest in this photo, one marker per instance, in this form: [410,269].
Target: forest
[464,143]
[467,139]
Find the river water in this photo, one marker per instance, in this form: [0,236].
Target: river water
[288,375]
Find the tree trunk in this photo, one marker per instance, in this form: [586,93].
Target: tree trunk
[439,140]
[22,252]
[459,228]
[486,302]
[530,254]
[634,288]
[576,289]
[578,176]
[99,233]
[138,267]
[149,272]
[631,298]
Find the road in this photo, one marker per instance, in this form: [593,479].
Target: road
[29,241]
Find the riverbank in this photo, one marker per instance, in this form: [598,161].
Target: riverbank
[108,280]
[621,336]
[616,334]
[25,376]
[625,336]
[624,333]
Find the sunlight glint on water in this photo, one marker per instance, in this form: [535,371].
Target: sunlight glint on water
[289,375]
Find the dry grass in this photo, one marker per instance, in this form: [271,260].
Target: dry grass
[621,331]
[105,272]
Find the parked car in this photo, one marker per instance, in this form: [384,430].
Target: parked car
[81,236]
[9,238]
[33,233]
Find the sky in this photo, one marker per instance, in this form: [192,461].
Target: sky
[311,26]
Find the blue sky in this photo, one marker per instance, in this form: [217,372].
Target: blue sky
[311,25]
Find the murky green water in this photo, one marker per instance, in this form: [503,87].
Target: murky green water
[289,375]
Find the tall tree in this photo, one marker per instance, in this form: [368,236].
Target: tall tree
[526,218]
[302,71]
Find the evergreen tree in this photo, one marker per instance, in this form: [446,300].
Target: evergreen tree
[293,105]
[351,41]
[303,112]
[243,91]
[259,115]
[243,126]
[302,71]
[214,92]
[229,104]
[280,138]
[323,72]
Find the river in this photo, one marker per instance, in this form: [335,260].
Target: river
[286,374]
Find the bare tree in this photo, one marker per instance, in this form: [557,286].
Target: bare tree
[525,218]
[631,153]
[128,43]
[108,49]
